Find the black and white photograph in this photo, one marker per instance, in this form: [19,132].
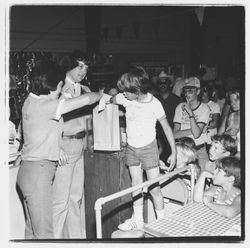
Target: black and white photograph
[124,122]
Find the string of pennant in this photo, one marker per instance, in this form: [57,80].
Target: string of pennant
[155,22]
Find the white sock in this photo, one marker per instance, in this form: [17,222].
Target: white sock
[160,213]
[138,212]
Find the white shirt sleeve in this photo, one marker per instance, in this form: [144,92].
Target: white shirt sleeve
[121,100]
[158,109]
[216,109]
[178,114]
[58,111]
[204,114]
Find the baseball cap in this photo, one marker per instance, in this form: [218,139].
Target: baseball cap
[192,82]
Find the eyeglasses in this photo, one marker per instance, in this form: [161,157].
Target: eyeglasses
[189,91]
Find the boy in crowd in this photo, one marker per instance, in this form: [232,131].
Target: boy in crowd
[191,117]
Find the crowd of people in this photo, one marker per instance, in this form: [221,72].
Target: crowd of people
[169,124]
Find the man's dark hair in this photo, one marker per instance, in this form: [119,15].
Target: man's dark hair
[45,77]
[78,55]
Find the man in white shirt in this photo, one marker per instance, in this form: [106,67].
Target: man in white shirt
[68,187]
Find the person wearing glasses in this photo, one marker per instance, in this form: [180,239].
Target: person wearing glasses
[68,187]
[191,117]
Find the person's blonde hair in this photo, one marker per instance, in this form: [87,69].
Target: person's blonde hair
[135,81]
[186,151]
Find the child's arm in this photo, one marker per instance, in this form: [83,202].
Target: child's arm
[178,133]
[119,99]
[78,102]
[170,137]
[200,185]
[196,128]
[228,211]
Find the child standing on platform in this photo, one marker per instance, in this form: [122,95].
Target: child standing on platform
[223,196]
[143,110]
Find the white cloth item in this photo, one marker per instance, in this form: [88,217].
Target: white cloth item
[141,119]
[102,102]
[106,128]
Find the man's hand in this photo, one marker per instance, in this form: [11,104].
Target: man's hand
[186,107]
[18,160]
[63,160]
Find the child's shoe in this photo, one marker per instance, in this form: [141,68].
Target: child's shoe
[131,224]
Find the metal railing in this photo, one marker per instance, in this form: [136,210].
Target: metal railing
[102,200]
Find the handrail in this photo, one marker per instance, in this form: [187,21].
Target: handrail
[102,200]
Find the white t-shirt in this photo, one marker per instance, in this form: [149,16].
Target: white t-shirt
[214,107]
[201,114]
[141,119]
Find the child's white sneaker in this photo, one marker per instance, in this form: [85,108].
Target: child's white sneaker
[131,224]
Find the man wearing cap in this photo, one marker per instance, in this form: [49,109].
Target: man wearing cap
[191,117]
[169,102]
[68,186]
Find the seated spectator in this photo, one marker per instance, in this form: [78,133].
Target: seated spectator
[231,123]
[187,141]
[224,196]
[222,146]
[186,154]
